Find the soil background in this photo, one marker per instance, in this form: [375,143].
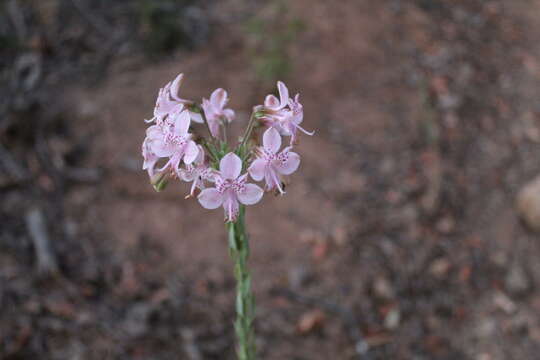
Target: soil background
[398,238]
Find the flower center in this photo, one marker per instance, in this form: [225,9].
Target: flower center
[176,140]
[269,155]
[236,186]
[278,159]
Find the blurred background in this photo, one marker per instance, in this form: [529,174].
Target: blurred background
[408,233]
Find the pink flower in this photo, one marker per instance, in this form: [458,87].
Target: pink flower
[169,102]
[270,164]
[285,114]
[150,159]
[215,112]
[169,139]
[197,172]
[230,189]
[291,124]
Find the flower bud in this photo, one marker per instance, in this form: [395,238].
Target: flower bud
[194,108]
[259,113]
[160,180]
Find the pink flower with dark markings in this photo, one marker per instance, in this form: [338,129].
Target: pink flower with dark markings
[271,164]
[197,172]
[169,139]
[285,114]
[230,189]
[272,103]
[215,112]
[291,123]
[169,102]
[171,151]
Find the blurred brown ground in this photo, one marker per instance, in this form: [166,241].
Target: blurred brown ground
[397,239]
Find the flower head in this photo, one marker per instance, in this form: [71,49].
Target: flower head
[169,139]
[271,164]
[197,172]
[169,102]
[285,114]
[170,151]
[230,188]
[215,112]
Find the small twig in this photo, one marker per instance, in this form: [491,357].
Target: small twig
[190,347]
[45,256]
[16,171]
[44,157]
[17,18]
[348,317]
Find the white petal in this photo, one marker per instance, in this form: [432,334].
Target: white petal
[256,169]
[160,148]
[196,117]
[181,123]
[208,109]
[230,166]
[218,98]
[283,94]
[200,156]
[175,86]
[290,165]
[187,175]
[271,140]
[190,152]
[230,205]
[252,194]
[229,114]
[213,125]
[271,102]
[210,198]
[154,131]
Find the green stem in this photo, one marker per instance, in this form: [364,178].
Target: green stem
[205,121]
[249,128]
[239,251]
[224,125]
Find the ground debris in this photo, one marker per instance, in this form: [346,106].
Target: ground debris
[46,262]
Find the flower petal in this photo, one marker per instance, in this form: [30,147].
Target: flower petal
[175,86]
[213,125]
[283,94]
[218,99]
[271,102]
[230,166]
[231,207]
[256,169]
[210,198]
[271,140]
[196,117]
[154,132]
[208,109]
[150,159]
[187,175]
[252,194]
[200,156]
[190,152]
[229,114]
[289,164]
[160,147]
[182,121]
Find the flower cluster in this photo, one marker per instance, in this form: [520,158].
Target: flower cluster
[219,175]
